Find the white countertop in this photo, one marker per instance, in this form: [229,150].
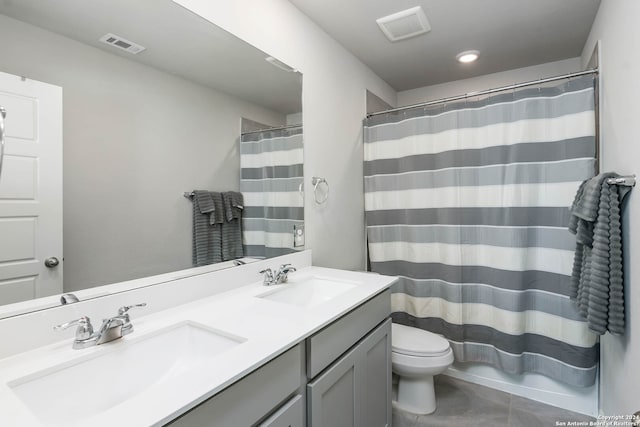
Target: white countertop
[269,327]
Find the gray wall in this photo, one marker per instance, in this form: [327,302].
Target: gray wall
[376,104]
[617,29]
[135,139]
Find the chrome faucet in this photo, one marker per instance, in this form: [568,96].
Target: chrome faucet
[281,276]
[283,273]
[111,329]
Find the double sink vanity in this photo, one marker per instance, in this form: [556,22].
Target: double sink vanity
[312,351]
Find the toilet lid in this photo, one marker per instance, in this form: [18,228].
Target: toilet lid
[417,342]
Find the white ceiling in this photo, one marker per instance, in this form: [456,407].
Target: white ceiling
[509,34]
[177,41]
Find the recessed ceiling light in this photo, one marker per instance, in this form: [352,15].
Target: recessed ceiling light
[467,56]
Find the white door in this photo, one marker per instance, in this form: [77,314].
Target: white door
[30,190]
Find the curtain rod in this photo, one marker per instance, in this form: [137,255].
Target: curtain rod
[270,129]
[487,92]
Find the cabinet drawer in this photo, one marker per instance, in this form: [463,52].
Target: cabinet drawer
[328,344]
[247,401]
[291,414]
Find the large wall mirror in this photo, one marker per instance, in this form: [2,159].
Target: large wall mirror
[152,111]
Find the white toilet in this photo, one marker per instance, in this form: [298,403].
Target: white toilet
[416,356]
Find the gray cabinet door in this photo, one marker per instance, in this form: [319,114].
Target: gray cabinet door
[355,391]
[332,397]
[376,368]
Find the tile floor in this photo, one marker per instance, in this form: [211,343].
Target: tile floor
[464,404]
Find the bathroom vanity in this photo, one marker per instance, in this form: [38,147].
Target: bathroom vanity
[314,351]
[346,384]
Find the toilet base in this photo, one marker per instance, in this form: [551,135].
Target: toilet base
[416,395]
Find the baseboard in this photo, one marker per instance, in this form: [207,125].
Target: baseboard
[531,386]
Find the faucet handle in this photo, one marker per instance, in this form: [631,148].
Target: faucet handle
[287,267]
[123,310]
[283,273]
[267,272]
[84,331]
[268,277]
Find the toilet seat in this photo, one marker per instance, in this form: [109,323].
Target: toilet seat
[417,342]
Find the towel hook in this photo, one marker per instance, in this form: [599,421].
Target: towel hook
[316,181]
[627,181]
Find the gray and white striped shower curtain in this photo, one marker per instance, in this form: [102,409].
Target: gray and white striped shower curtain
[468,204]
[271,172]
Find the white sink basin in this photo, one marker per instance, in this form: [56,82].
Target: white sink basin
[308,292]
[70,392]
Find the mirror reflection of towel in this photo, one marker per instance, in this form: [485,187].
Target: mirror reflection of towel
[217,216]
[217,234]
[231,229]
[207,235]
[204,201]
[233,205]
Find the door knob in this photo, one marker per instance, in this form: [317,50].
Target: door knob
[51,262]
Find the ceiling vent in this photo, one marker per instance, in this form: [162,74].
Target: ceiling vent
[403,25]
[122,43]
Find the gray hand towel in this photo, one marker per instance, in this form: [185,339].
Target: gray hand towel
[206,245]
[233,204]
[596,282]
[204,201]
[585,205]
[231,229]
[217,216]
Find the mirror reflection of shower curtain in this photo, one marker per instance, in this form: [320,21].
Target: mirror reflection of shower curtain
[271,169]
[468,204]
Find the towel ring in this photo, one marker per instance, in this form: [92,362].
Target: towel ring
[316,181]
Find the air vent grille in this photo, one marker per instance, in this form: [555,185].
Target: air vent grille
[403,25]
[122,43]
